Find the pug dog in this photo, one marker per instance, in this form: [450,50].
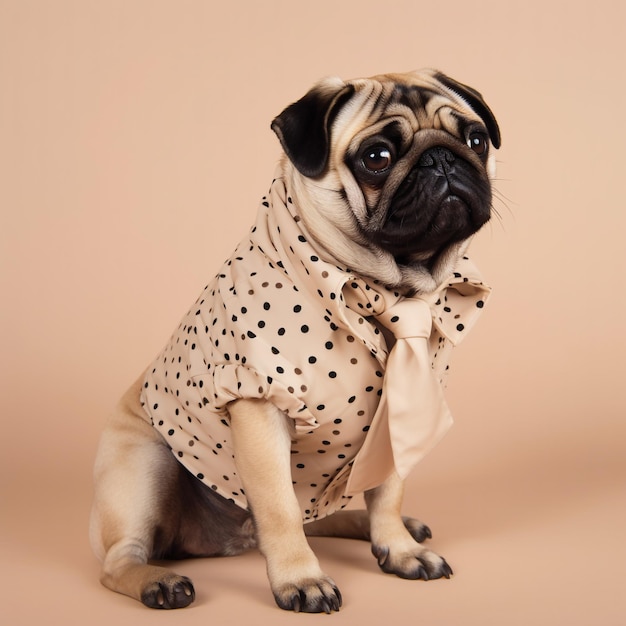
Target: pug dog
[289,387]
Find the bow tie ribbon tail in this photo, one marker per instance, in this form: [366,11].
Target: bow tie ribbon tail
[412,415]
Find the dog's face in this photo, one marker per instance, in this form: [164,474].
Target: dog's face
[392,173]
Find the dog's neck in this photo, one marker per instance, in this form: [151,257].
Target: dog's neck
[345,245]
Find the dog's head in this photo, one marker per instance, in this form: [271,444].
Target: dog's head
[392,174]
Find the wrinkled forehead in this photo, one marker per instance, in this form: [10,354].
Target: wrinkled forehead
[413,102]
[419,94]
[414,90]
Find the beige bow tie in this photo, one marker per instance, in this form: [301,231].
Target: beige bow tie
[412,415]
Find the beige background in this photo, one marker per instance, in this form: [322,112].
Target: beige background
[134,147]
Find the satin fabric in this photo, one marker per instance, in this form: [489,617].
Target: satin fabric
[280,322]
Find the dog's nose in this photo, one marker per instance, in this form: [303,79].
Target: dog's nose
[439,158]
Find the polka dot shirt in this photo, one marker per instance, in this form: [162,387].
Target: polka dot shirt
[280,323]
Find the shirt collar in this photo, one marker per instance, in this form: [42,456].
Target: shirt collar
[282,236]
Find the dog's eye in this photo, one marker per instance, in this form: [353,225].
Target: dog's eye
[377,159]
[478,143]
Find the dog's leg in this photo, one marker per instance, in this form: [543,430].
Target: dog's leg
[397,550]
[262,443]
[356,525]
[134,472]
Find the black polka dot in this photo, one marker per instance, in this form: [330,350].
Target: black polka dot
[328,345]
[304,328]
[460,327]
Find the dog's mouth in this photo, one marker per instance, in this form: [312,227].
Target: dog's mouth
[443,200]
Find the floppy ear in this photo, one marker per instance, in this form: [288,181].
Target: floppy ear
[476,101]
[303,128]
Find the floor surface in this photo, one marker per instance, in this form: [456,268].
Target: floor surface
[539,543]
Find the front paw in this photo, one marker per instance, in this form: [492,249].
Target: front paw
[309,595]
[413,563]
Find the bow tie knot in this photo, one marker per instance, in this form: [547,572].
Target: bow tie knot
[408,318]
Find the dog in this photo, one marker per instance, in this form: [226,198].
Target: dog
[288,388]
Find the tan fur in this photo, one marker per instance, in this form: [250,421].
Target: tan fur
[135,470]
[125,502]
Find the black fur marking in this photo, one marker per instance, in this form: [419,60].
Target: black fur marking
[304,128]
[412,96]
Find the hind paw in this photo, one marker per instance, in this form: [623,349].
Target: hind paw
[176,592]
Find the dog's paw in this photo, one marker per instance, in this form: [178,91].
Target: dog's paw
[172,592]
[311,595]
[415,563]
[418,530]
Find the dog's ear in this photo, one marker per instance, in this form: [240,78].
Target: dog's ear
[478,104]
[303,128]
